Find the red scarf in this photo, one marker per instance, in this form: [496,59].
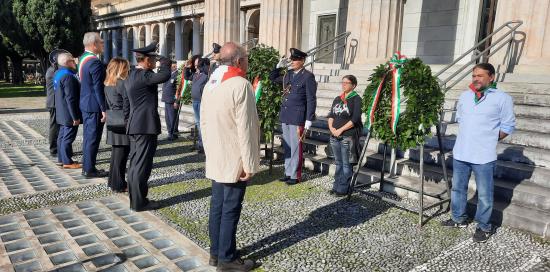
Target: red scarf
[479,94]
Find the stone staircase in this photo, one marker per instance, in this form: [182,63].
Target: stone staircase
[522,177]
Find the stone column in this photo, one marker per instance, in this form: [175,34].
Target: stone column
[281,24]
[377,27]
[532,47]
[124,43]
[148,34]
[136,43]
[114,43]
[162,38]
[178,39]
[197,49]
[221,22]
[106,42]
[244,28]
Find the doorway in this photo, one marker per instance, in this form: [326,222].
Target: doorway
[487,25]
[326,31]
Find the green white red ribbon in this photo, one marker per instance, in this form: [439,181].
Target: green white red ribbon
[258,87]
[185,84]
[87,56]
[396,64]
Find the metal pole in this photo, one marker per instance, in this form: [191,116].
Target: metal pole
[353,180]
[383,167]
[176,120]
[421,194]
[442,160]
[272,152]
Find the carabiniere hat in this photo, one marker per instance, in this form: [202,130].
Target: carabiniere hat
[149,50]
[297,54]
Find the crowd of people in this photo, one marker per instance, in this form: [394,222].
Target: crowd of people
[125,100]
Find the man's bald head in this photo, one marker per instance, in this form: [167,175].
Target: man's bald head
[234,55]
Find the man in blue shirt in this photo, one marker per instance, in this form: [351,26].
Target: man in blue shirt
[485,115]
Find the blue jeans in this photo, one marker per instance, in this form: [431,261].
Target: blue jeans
[225,211]
[344,170]
[197,112]
[459,194]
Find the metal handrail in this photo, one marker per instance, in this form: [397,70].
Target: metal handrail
[506,39]
[312,53]
[253,41]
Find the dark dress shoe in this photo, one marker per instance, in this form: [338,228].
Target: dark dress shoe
[95,174]
[236,265]
[284,179]
[213,261]
[152,205]
[338,194]
[292,181]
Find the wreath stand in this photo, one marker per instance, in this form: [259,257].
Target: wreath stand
[443,197]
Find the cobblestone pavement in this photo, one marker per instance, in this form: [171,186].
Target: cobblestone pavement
[82,225]
[99,233]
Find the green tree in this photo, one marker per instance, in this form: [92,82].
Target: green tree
[36,27]
[13,52]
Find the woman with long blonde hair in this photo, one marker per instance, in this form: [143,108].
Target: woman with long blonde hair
[117,72]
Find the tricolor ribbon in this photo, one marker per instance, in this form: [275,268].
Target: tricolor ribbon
[257,86]
[396,64]
[87,56]
[185,84]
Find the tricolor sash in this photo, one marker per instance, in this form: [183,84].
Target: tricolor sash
[87,56]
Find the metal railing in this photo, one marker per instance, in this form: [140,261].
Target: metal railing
[247,45]
[507,32]
[336,45]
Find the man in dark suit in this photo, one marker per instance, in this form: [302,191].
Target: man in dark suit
[50,101]
[170,103]
[67,91]
[297,110]
[143,125]
[92,102]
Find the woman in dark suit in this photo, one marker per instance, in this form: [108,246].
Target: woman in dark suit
[117,71]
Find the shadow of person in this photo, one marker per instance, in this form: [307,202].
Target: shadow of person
[106,261]
[337,215]
[506,179]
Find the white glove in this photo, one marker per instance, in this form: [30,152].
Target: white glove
[282,63]
[307,124]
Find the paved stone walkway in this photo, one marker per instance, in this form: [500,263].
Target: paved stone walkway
[54,220]
[102,234]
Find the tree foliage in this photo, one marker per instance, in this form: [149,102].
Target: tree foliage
[261,60]
[424,101]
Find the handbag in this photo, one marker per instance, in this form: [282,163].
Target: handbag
[115,120]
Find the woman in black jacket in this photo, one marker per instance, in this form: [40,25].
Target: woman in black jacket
[117,71]
[344,122]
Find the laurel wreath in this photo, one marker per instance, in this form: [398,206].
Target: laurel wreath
[423,101]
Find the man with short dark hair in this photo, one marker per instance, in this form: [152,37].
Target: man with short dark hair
[53,132]
[171,100]
[485,115]
[143,128]
[231,135]
[297,110]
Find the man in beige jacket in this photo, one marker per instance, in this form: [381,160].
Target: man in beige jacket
[230,131]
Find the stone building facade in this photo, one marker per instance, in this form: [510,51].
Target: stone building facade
[438,31]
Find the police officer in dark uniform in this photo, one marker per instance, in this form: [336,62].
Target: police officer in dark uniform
[170,103]
[297,110]
[143,128]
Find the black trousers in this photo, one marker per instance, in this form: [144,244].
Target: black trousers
[53,133]
[142,151]
[170,118]
[117,169]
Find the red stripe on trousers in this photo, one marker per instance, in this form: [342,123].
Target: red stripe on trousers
[300,154]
